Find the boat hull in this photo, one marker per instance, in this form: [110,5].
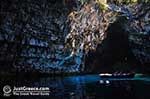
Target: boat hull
[117,76]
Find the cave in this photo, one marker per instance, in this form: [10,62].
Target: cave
[113,50]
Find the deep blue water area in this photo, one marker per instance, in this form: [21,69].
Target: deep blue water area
[90,87]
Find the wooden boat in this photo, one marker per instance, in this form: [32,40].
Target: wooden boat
[122,75]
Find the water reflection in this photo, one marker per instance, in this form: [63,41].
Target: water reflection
[89,87]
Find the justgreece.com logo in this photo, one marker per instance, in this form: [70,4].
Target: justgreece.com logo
[25,91]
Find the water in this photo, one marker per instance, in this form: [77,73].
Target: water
[89,87]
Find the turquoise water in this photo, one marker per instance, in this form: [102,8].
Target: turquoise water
[91,87]
[94,87]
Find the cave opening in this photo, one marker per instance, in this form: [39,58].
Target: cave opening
[114,53]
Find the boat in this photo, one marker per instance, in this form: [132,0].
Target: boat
[115,75]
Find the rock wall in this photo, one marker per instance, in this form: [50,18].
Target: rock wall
[32,34]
